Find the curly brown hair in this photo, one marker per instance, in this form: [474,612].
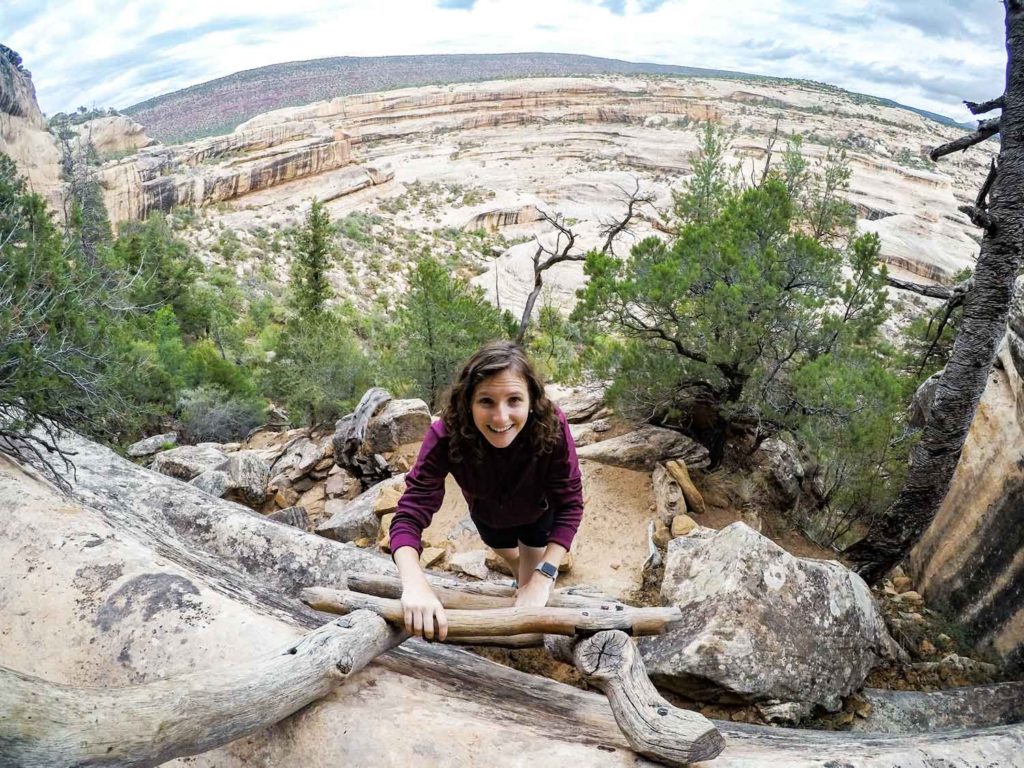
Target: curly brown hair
[464,439]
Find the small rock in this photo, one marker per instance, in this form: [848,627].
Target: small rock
[845,718]
[293,516]
[311,496]
[384,537]
[341,484]
[213,481]
[286,497]
[662,535]
[682,525]
[362,542]
[431,556]
[945,640]
[497,563]
[387,501]
[471,563]
[902,583]
[303,484]
[911,597]
[926,648]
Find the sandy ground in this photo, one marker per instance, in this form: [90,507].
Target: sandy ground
[611,545]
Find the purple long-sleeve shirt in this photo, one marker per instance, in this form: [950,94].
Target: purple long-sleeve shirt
[508,488]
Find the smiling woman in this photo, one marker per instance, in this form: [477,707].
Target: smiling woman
[509,449]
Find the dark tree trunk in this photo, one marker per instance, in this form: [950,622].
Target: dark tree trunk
[984,321]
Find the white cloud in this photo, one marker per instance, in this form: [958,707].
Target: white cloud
[107,53]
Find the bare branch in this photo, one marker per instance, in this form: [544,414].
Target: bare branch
[979,217]
[986,130]
[633,201]
[980,108]
[993,171]
[947,292]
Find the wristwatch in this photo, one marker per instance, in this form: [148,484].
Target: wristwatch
[548,570]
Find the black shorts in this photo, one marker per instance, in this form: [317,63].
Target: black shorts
[533,534]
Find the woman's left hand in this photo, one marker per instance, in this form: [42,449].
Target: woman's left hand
[535,593]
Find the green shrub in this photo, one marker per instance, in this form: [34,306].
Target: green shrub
[210,414]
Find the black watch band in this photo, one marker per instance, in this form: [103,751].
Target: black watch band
[548,570]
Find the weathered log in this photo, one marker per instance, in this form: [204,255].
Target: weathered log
[694,499]
[507,621]
[465,596]
[44,724]
[654,728]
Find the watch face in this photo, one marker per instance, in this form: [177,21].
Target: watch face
[548,570]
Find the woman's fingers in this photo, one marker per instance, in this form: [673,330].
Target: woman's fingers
[417,621]
[442,624]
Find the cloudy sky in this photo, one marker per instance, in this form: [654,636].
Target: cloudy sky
[100,53]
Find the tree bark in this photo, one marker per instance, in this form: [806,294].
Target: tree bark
[507,621]
[44,724]
[468,596]
[652,726]
[986,306]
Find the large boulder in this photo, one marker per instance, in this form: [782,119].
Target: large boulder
[579,404]
[644,447]
[351,520]
[762,625]
[150,445]
[189,461]
[249,476]
[398,422]
[781,463]
[243,477]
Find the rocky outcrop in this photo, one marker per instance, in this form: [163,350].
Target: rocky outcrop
[113,136]
[492,221]
[216,170]
[762,625]
[23,132]
[17,93]
[969,562]
[644,447]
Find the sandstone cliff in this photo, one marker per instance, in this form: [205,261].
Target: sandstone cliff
[971,559]
[23,134]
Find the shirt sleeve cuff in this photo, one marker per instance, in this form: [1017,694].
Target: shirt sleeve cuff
[563,535]
[406,540]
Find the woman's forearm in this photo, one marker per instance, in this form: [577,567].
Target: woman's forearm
[554,553]
[408,561]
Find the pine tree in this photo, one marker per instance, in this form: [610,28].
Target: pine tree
[314,255]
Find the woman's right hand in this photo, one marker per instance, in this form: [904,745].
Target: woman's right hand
[421,609]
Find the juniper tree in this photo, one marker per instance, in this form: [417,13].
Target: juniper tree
[314,255]
[985,298]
